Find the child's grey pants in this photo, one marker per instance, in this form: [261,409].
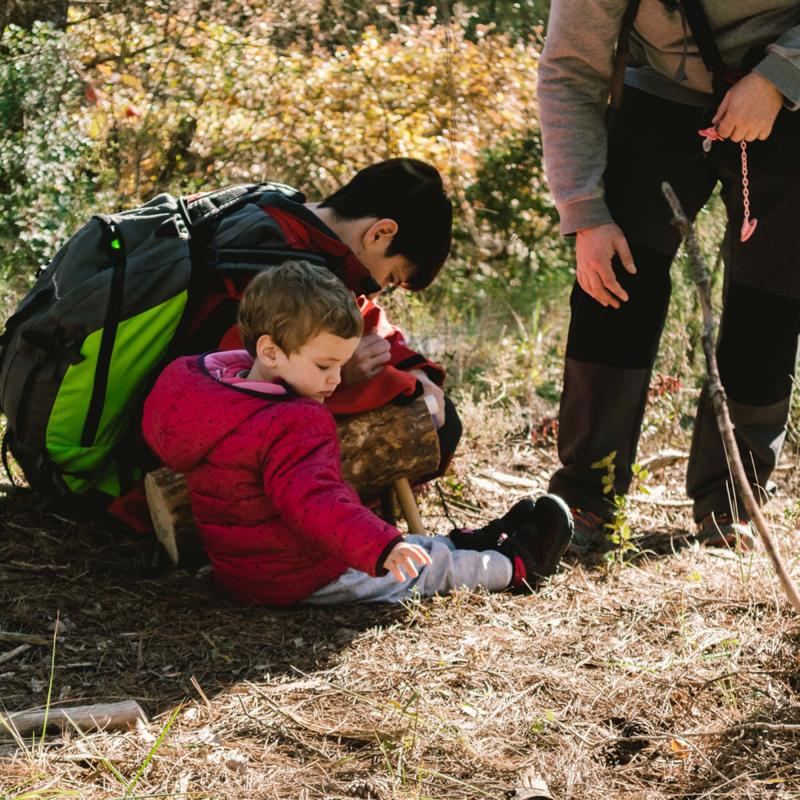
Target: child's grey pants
[450,569]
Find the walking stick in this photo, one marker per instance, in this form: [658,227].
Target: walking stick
[719,400]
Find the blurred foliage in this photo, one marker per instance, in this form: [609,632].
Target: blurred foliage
[45,154]
[134,98]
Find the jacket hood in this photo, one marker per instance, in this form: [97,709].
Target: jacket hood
[199,400]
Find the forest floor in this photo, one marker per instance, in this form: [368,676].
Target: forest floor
[671,672]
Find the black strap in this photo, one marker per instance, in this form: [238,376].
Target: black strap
[116,248]
[231,258]
[620,57]
[703,36]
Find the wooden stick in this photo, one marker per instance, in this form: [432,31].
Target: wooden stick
[717,394]
[11,654]
[101,716]
[408,505]
[26,638]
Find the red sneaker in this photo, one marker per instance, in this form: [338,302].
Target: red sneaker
[722,530]
[590,533]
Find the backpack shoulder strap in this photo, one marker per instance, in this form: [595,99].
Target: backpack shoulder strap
[621,54]
[703,36]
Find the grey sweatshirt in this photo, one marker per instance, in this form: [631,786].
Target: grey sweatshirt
[575,76]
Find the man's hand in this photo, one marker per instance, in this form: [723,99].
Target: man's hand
[594,249]
[403,560]
[436,392]
[370,357]
[748,110]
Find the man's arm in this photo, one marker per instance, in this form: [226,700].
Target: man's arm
[781,67]
[574,81]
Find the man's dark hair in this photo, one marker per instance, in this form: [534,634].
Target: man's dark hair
[412,194]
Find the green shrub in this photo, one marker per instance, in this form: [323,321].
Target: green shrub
[45,182]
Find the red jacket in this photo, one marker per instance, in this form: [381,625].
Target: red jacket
[263,468]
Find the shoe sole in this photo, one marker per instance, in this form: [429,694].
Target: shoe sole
[550,512]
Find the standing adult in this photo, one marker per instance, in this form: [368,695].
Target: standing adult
[734,67]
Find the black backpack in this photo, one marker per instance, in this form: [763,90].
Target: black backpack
[126,294]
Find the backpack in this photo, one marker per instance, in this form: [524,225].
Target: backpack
[124,296]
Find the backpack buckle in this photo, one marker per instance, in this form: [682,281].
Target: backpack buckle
[180,227]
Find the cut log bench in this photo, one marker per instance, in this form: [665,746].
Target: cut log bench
[384,452]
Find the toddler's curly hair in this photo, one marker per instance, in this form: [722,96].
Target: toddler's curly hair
[293,303]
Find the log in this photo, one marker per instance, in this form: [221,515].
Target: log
[379,448]
[384,445]
[101,716]
[170,511]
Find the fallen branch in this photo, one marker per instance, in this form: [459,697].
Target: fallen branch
[662,459]
[12,654]
[717,394]
[102,716]
[24,638]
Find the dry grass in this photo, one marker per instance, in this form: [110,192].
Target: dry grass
[650,679]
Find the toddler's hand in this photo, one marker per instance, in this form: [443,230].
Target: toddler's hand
[404,559]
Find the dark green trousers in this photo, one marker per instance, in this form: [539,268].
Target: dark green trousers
[610,352]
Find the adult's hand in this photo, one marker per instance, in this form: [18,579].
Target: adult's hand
[369,358]
[433,390]
[594,249]
[748,110]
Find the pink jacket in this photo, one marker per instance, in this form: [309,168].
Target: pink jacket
[263,467]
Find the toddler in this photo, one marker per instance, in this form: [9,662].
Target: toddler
[250,432]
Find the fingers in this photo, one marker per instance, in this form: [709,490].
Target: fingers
[625,255]
[420,555]
[602,284]
[403,561]
[722,109]
[397,573]
[372,344]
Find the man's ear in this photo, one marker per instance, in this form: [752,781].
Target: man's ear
[267,351]
[379,234]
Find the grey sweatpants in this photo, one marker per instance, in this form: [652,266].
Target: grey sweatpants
[450,569]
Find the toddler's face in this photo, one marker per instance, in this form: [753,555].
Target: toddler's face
[315,370]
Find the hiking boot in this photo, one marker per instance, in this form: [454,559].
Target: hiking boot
[590,533]
[490,536]
[539,543]
[722,530]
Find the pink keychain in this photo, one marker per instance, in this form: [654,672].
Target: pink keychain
[711,135]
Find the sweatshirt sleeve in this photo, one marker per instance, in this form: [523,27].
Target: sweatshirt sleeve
[401,356]
[781,66]
[574,83]
[302,477]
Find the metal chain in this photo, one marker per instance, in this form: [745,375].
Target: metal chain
[745,184]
